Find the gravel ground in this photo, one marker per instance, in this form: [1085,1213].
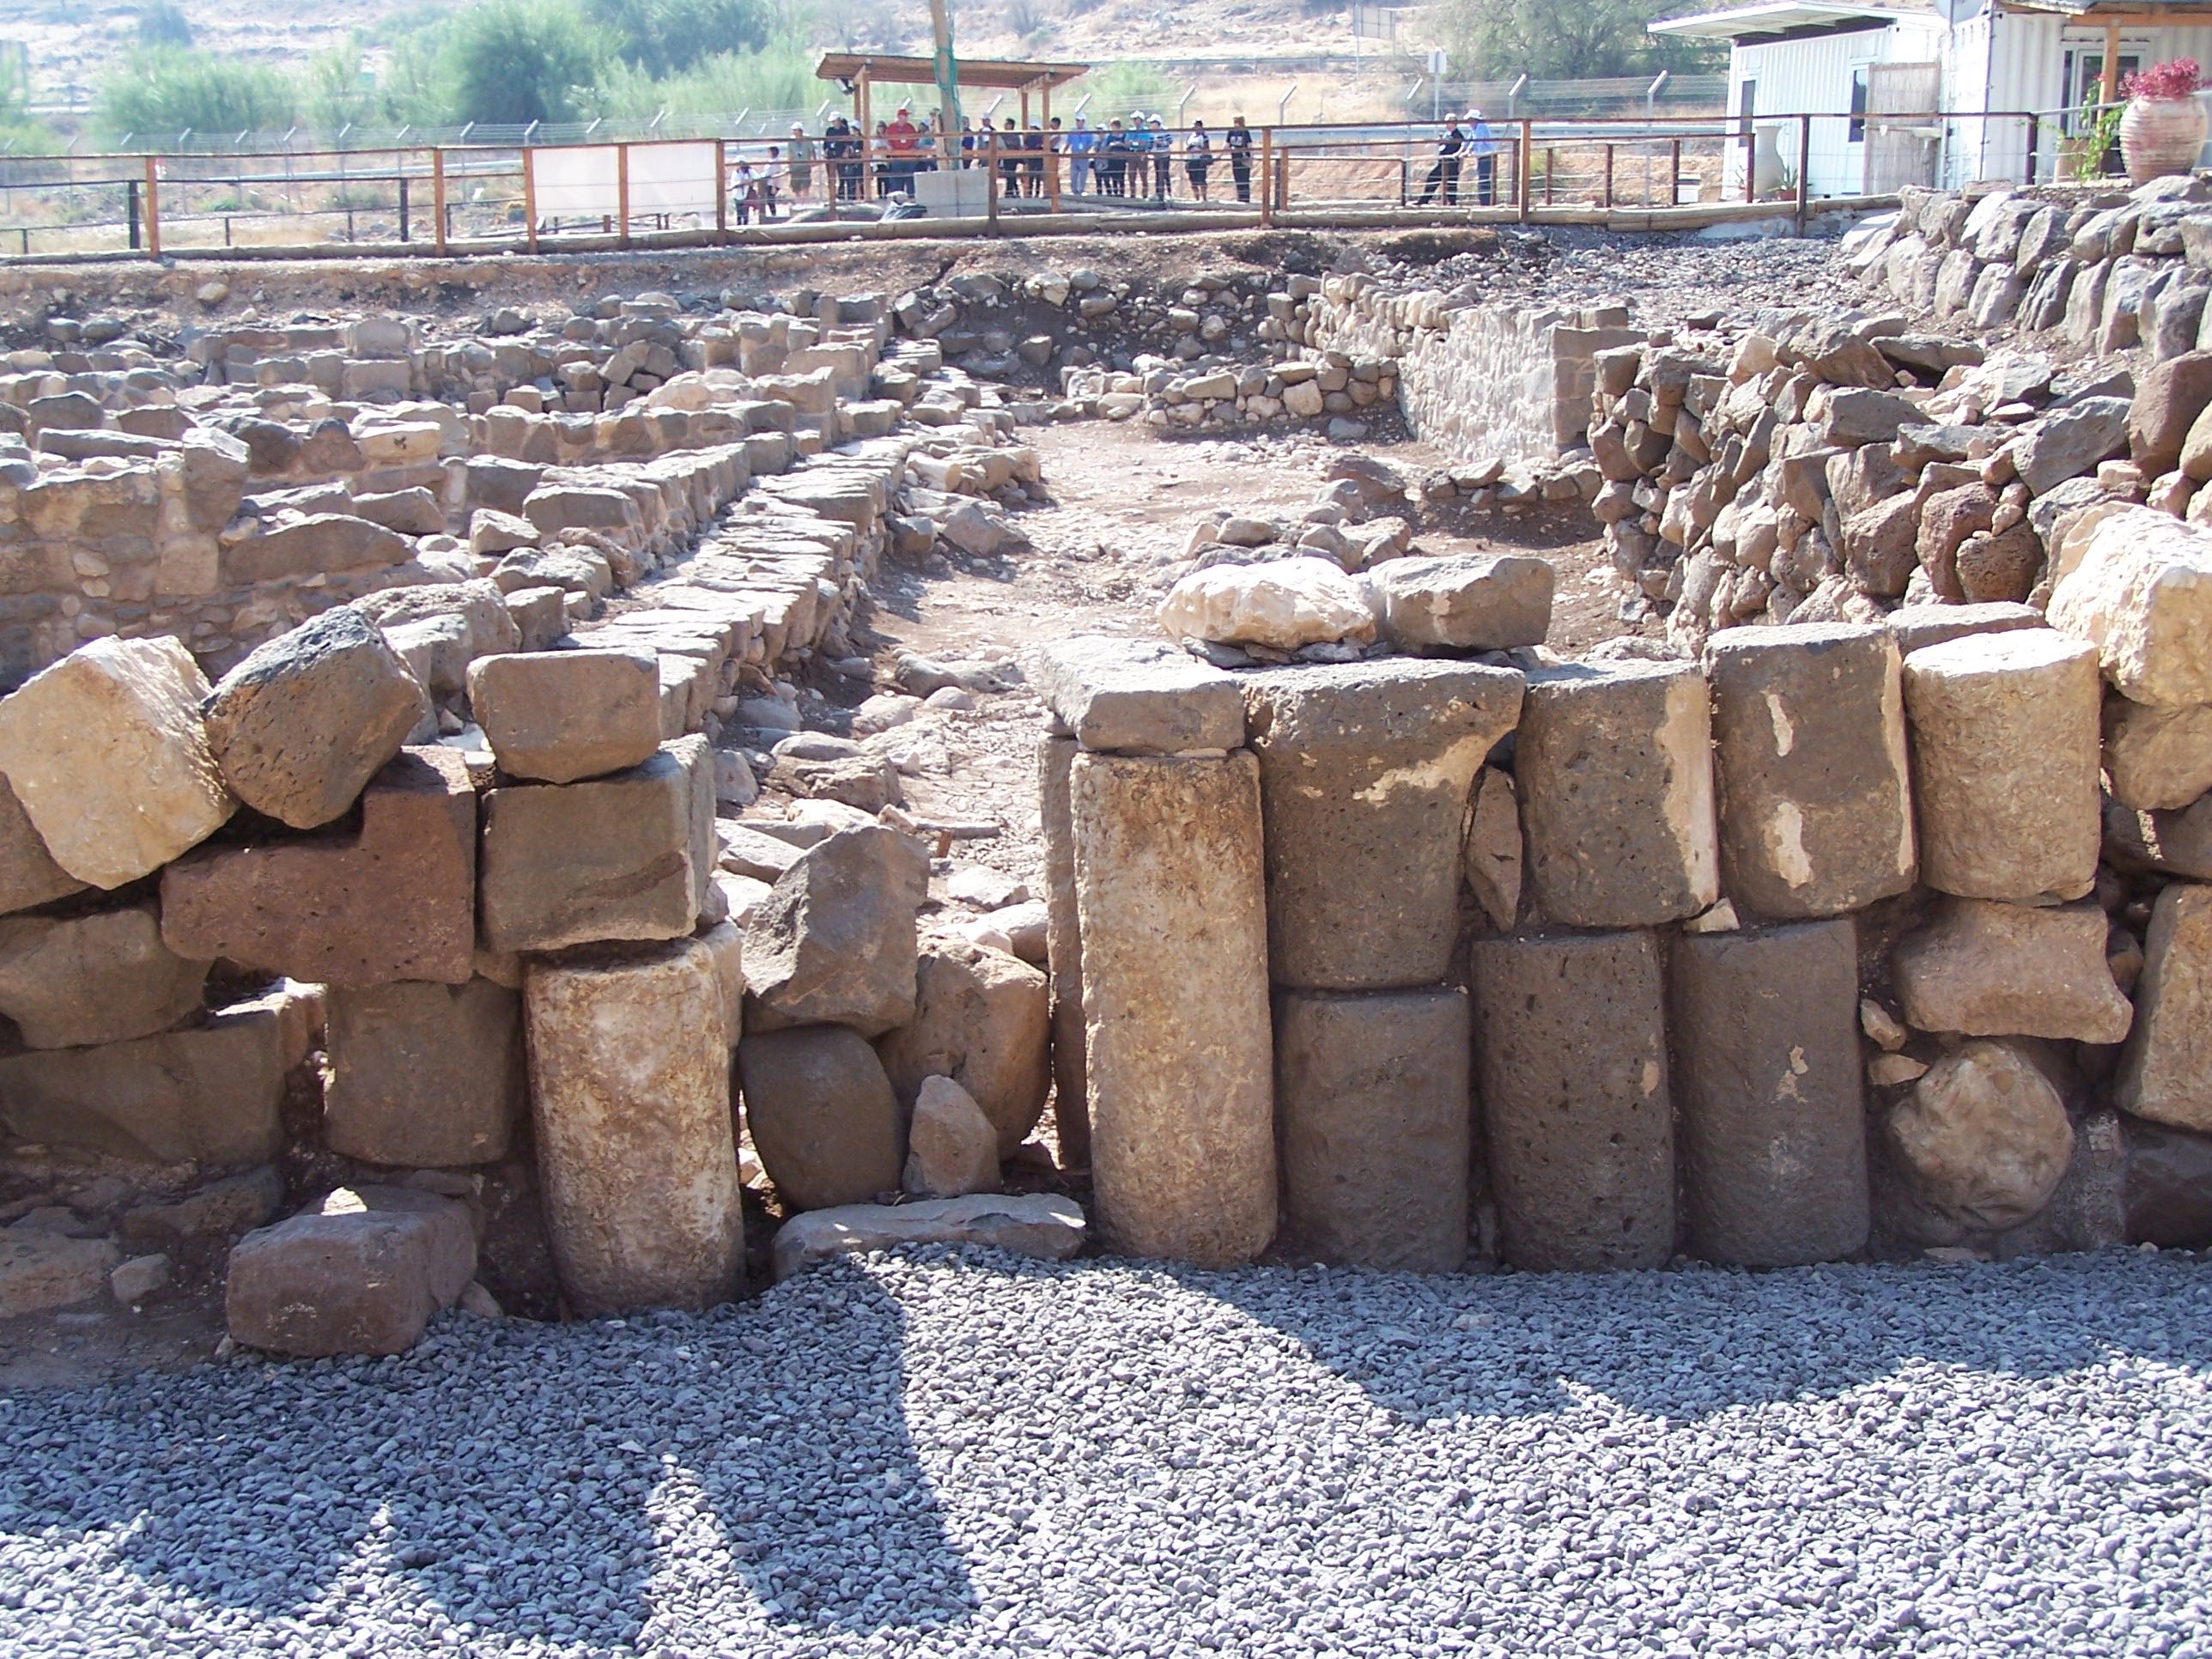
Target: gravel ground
[944,1454]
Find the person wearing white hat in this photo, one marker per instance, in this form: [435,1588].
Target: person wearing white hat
[800,155]
[1445,174]
[1484,148]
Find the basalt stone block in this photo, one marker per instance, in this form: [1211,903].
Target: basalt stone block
[2004,730]
[558,716]
[361,1273]
[1570,1067]
[1815,798]
[71,982]
[1063,951]
[2165,1073]
[301,726]
[28,875]
[1365,770]
[108,757]
[823,1116]
[211,1094]
[629,1077]
[1474,603]
[1615,768]
[834,940]
[2168,1186]
[611,858]
[1373,1121]
[1139,697]
[1171,896]
[1767,1075]
[422,1075]
[394,900]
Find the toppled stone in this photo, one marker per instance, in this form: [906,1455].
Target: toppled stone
[1283,605]
[559,716]
[1470,603]
[835,939]
[822,1115]
[99,978]
[107,753]
[1139,697]
[1042,1225]
[301,726]
[983,1019]
[40,1270]
[952,1148]
[1990,969]
[1982,1138]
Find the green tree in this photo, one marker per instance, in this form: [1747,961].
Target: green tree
[1496,39]
[163,24]
[512,62]
[664,37]
[336,92]
[163,92]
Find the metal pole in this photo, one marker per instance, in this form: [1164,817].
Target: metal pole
[153,208]
[991,184]
[438,196]
[621,193]
[1804,164]
[529,201]
[1609,178]
[1527,155]
[403,207]
[131,210]
[948,73]
[722,191]
[1675,174]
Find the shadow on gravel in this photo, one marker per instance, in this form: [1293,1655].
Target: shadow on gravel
[604,1487]
[1687,1344]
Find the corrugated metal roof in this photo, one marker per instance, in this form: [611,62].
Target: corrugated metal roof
[1779,18]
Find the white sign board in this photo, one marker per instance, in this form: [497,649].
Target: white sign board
[582,181]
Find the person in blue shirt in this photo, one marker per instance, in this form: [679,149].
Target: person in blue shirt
[1484,149]
[1162,161]
[1079,144]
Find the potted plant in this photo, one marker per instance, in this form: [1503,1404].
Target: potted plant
[2163,128]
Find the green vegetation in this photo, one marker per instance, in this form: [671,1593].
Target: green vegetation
[163,89]
[518,61]
[1496,39]
[163,24]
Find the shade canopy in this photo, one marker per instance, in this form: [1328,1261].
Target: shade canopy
[1008,74]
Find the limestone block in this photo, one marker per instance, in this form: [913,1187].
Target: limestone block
[1474,603]
[1137,697]
[1494,848]
[2004,764]
[1064,949]
[835,939]
[1983,1139]
[1815,800]
[952,1148]
[1571,1068]
[211,1094]
[359,1273]
[1373,1125]
[1990,969]
[107,753]
[822,1115]
[1615,772]
[2165,1073]
[629,1081]
[28,875]
[1916,625]
[321,545]
[1042,1225]
[1171,896]
[558,716]
[42,1270]
[611,858]
[422,1075]
[395,900]
[2141,593]
[2157,759]
[1282,605]
[1365,770]
[1772,1128]
[305,722]
[105,977]
[725,942]
[983,1019]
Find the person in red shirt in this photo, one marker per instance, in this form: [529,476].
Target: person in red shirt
[903,139]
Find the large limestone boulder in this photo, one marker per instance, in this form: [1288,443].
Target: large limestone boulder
[1984,1139]
[822,1115]
[1042,1224]
[629,1073]
[983,1019]
[360,1271]
[1990,969]
[1474,603]
[834,941]
[2004,731]
[2157,759]
[2166,1074]
[557,716]
[952,1148]
[301,726]
[2143,595]
[109,756]
[1281,605]
[28,875]
[1137,697]
[100,978]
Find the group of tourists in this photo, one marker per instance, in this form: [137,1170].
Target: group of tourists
[1126,160]
[1458,144]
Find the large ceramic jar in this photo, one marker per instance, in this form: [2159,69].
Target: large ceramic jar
[2160,135]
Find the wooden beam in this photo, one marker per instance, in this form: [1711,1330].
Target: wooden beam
[529,200]
[2109,87]
[153,208]
[621,193]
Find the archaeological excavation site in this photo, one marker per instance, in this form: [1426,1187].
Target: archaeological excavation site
[1286,940]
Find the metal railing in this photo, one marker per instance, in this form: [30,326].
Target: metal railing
[481,197]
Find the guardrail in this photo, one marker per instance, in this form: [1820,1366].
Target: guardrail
[464,198]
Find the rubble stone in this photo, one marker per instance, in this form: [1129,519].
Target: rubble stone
[28,875]
[1064,950]
[835,939]
[1042,1225]
[2141,593]
[2166,1074]
[560,716]
[42,1270]
[361,1273]
[1475,603]
[1282,605]
[822,1115]
[1982,1138]
[105,977]
[2157,759]
[423,1075]
[952,1148]
[983,1019]
[1990,969]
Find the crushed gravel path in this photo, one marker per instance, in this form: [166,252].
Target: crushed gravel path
[967,1455]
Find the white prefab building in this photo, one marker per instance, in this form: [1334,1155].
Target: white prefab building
[1974,89]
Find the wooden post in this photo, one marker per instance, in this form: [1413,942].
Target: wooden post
[153,208]
[1521,161]
[529,201]
[2108,88]
[1674,173]
[2034,142]
[1750,162]
[867,185]
[621,193]
[991,186]
[722,192]
[1551,172]
[1609,178]
[1267,175]
[1804,165]
[438,196]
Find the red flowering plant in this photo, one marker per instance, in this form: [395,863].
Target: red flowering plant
[2179,79]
